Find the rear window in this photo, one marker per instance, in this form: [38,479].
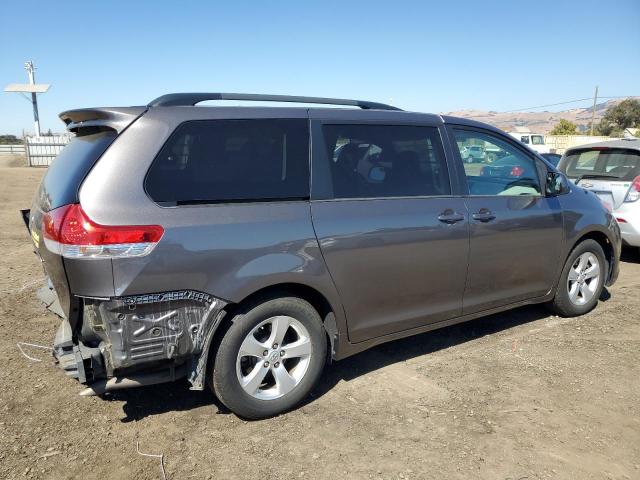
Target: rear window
[212,161]
[61,184]
[618,163]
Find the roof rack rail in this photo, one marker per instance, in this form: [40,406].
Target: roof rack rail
[190,99]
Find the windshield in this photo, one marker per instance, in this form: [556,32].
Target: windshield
[619,163]
[537,139]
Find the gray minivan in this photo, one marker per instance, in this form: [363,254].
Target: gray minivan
[247,247]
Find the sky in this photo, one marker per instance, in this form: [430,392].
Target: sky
[420,55]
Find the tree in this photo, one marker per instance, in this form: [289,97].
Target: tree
[624,115]
[9,140]
[564,127]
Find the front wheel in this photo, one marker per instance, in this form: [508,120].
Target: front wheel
[270,358]
[581,281]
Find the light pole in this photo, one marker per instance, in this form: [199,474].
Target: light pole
[32,88]
[31,71]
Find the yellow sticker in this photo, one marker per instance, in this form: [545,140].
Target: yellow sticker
[36,238]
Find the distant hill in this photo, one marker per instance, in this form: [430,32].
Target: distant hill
[538,122]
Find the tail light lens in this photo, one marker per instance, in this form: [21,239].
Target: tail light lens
[517,171]
[70,232]
[634,191]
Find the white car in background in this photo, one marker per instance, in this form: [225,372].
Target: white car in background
[534,140]
[473,153]
[611,170]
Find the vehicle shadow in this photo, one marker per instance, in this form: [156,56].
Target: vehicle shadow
[424,344]
[143,402]
[630,255]
[140,403]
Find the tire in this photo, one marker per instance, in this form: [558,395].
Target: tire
[274,382]
[586,294]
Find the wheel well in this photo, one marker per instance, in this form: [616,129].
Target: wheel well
[604,242]
[311,295]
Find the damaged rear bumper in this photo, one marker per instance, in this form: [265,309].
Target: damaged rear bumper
[138,340]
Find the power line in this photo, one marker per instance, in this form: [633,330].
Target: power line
[549,105]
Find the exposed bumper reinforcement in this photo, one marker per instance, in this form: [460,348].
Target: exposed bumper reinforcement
[132,341]
[133,381]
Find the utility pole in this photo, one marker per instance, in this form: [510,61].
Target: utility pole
[32,88]
[593,113]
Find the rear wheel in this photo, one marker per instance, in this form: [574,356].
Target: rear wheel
[581,281]
[270,358]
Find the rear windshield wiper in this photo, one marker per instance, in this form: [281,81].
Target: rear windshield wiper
[595,176]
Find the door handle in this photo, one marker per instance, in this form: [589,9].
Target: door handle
[484,215]
[450,217]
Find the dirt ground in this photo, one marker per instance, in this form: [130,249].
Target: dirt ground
[520,395]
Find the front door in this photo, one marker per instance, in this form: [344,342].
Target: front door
[393,236]
[516,232]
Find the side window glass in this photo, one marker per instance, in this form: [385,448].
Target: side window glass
[211,161]
[525,139]
[372,161]
[498,168]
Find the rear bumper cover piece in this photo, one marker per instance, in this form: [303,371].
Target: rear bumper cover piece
[129,337]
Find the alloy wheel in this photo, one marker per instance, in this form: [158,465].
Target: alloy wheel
[273,358]
[584,278]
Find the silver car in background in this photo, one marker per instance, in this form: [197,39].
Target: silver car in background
[611,170]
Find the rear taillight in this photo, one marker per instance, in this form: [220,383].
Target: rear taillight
[517,171]
[71,233]
[634,191]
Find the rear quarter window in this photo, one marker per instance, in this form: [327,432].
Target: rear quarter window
[619,163]
[214,161]
[62,182]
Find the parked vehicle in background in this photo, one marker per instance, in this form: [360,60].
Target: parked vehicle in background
[473,153]
[187,241]
[535,141]
[511,168]
[553,158]
[612,171]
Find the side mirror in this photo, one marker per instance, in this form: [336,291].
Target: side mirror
[377,174]
[557,184]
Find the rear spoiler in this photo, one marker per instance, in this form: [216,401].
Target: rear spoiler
[113,118]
